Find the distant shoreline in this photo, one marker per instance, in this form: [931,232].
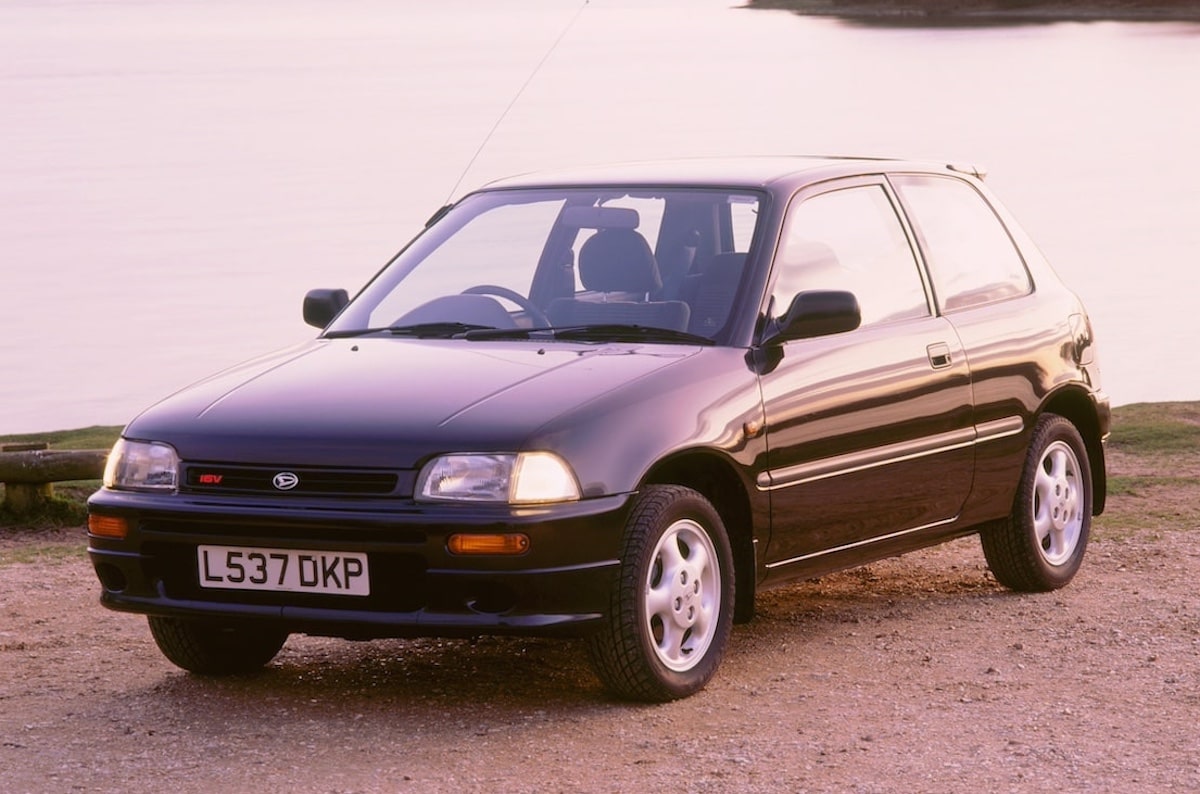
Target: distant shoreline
[987,12]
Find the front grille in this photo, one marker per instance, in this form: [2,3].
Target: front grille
[301,481]
[214,530]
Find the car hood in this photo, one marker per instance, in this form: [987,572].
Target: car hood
[390,402]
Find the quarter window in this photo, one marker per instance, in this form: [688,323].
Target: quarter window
[850,239]
[971,258]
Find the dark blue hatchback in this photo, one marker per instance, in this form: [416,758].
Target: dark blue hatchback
[615,403]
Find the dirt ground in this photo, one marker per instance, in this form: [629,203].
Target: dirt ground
[915,674]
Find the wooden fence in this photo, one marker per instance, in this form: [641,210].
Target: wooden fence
[29,472]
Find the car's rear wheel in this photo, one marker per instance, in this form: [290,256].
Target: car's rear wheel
[213,648]
[671,609]
[1040,546]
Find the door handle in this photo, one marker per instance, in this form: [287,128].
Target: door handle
[939,355]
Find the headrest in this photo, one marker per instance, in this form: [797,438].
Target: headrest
[618,260]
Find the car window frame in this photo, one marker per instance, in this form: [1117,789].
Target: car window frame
[767,312]
[998,213]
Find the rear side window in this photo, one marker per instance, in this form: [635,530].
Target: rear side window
[972,259]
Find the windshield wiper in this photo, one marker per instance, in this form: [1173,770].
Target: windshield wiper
[507,333]
[419,330]
[436,330]
[629,333]
[351,333]
[611,332]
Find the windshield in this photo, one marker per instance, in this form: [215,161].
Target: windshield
[534,260]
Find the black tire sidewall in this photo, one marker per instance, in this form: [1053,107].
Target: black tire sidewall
[622,649]
[688,505]
[207,648]
[1051,429]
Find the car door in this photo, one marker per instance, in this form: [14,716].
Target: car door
[869,432]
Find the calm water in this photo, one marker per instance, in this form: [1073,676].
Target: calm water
[175,175]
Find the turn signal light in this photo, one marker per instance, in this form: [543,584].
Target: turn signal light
[509,543]
[108,526]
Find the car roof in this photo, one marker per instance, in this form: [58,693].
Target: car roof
[759,172]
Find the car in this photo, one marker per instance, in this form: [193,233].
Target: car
[615,403]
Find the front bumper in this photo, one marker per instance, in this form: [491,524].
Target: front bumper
[560,586]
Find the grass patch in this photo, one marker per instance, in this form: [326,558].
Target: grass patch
[1152,429]
[94,437]
[1140,485]
[67,508]
[1154,471]
[1146,505]
[42,552]
[1148,521]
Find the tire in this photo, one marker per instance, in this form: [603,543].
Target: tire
[1040,546]
[214,649]
[671,608]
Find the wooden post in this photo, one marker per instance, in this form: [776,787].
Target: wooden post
[22,498]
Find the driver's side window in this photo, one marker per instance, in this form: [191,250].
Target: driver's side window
[850,239]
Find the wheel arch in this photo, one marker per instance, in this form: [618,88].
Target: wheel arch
[717,480]
[1079,408]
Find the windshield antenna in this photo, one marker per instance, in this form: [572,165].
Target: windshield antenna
[516,96]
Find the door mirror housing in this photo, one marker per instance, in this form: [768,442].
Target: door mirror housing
[322,305]
[816,313]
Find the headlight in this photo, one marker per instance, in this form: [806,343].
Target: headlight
[523,478]
[141,466]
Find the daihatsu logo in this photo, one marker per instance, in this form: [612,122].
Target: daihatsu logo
[285,480]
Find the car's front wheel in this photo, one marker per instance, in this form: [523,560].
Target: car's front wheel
[207,648]
[1040,546]
[671,609]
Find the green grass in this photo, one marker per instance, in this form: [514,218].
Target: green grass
[1154,471]
[1151,429]
[67,508]
[95,437]
[1141,485]
[40,552]
[1125,519]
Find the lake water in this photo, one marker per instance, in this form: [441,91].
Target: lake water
[175,175]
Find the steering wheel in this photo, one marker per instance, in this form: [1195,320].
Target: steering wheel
[540,320]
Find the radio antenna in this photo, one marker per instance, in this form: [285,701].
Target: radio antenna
[516,96]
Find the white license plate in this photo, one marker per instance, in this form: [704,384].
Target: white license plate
[289,570]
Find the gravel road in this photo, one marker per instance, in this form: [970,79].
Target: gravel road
[915,674]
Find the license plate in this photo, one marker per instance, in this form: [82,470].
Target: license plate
[288,570]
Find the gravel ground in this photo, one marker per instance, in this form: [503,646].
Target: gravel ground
[915,674]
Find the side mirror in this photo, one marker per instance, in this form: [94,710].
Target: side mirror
[322,305]
[816,313]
